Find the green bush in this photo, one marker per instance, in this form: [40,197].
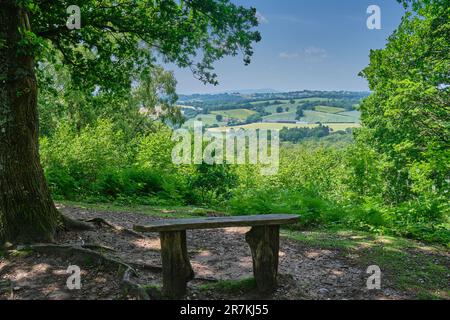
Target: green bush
[128,182]
[211,184]
[61,183]
[82,155]
[313,210]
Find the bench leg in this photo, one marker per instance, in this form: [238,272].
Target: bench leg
[264,244]
[177,270]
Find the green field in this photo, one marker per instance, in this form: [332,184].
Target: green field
[240,114]
[315,116]
[328,109]
[284,116]
[206,119]
[323,117]
[355,115]
[279,126]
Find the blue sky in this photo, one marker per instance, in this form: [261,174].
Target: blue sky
[306,44]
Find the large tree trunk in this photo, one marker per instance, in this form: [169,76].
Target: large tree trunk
[27,212]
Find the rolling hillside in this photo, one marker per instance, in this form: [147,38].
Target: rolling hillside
[279,110]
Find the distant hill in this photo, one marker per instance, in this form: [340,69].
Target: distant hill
[242,95]
[252,91]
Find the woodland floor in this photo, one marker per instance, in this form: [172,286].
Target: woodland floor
[313,265]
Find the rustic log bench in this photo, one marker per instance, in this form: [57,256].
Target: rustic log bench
[263,239]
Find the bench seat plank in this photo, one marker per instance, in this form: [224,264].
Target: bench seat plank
[217,222]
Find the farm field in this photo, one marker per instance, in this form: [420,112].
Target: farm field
[240,114]
[315,116]
[284,116]
[328,109]
[355,115]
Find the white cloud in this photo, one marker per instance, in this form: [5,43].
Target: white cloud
[314,53]
[291,19]
[287,55]
[261,18]
[310,54]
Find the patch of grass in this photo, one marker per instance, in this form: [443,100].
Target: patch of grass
[409,266]
[22,253]
[231,286]
[153,211]
[154,291]
[422,274]
[328,109]
[330,240]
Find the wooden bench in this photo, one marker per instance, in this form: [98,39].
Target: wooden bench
[263,239]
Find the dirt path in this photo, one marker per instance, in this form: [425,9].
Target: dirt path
[220,254]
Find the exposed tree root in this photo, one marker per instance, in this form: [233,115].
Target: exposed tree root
[101,222]
[6,286]
[148,267]
[75,225]
[84,255]
[206,279]
[78,254]
[96,246]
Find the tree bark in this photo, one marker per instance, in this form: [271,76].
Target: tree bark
[177,270]
[264,242]
[27,211]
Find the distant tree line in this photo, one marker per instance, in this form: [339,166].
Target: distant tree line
[296,135]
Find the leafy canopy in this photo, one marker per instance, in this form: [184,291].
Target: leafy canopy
[118,37]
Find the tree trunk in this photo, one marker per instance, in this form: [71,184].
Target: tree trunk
[27,212]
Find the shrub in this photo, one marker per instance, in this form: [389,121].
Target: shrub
[313,210]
